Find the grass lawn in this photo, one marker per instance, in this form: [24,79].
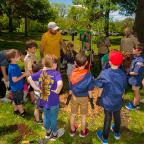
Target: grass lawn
[14,129]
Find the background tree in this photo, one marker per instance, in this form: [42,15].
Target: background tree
[60,8]
[139,21]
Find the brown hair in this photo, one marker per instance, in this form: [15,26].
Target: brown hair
[49,60]
[36,66]
[140,47]
[30,43]
[80,59]
[11,54]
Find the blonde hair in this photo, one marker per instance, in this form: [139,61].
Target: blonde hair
[49,60]
[45,78]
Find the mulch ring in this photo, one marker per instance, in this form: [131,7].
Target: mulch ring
[97,109]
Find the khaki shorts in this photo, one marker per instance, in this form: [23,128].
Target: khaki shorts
[135,87]
[81,102]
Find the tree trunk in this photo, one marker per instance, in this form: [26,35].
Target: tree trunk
[106,27]
[26,27]
[139,21]
[10,16]
[107,17]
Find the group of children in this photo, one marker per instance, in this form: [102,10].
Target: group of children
[46,83]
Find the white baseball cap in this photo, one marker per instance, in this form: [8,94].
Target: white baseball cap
[53,26]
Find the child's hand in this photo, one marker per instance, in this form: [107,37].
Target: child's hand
[54,91]
[143,82]
[24,74]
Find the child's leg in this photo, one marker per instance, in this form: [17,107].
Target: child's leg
[74,109]
[47,119]
[83,122]
[117,121]
[136,96]
[72,122]
[53,118]
[83,110]
[32,96]
[107,124]
[36,114]
[14,106]
[18,99]
[20,108]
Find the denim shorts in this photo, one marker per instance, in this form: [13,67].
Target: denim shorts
[18,97]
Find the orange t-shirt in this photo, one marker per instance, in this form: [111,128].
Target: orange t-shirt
[51,43]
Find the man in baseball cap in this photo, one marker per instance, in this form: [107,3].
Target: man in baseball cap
[51,41]
[53,26]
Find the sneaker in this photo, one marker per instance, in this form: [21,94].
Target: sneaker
[130,106]
[138,106]
[142,100]
[73,133]
[39,122]
[48,135]
[100,137]
[53,137]
[16,112]
[23,114]
[116,134]
[84,133]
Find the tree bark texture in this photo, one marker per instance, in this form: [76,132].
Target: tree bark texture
[139,21]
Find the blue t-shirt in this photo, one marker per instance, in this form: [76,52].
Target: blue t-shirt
[113,82]
[14,71]
[137,66]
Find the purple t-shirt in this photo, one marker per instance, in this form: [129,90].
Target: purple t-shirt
[55,76]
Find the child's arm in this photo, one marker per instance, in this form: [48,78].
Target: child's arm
[91,99]
[137,68]
[133,73]
[16,79]
[59,87]
[33,84]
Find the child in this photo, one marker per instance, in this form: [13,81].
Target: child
[113,82]
[70,57]
[39,102]
[136,68]
[50,85]
[81,85]
[29,59]
[16,81]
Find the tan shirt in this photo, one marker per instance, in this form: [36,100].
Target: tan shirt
[28,61]
[128,43]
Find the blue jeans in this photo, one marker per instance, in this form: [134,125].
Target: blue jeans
[50,118]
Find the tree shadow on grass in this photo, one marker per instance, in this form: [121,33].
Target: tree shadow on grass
[22,129]
[12,44]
